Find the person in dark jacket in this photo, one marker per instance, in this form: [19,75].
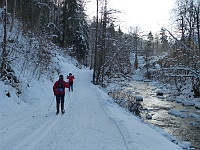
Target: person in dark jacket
[71,78]
[59,91]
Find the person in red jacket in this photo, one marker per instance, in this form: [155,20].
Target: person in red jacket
[59,91]
[71,81]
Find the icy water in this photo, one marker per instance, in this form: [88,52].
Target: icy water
[184,129]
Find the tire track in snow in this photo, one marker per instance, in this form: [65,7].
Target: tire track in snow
[38,135]
[22,127]
[31,141]
[84,93]
[22,118]
[112,120]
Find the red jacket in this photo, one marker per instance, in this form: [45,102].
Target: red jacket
[70,78]
[55,87]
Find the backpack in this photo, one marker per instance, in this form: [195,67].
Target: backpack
[60,87]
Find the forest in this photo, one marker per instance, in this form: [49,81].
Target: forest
[171,57]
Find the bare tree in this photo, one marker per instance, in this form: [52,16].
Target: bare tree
[187,19]
[96,44]
[135,34]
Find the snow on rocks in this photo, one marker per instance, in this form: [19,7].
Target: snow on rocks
[180,99]
[194,123]
[159,93]
[148,116]
[171,99]
[185,145]
[177,113]
[197,105]
[195,116]
[139,98]
[188,103]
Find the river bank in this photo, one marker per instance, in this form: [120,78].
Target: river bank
[181,121]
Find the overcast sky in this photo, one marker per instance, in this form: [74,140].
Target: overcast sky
[149,15]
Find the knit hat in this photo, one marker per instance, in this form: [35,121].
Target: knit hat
[61,76]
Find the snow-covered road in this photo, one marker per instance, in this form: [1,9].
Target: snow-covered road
[85,125]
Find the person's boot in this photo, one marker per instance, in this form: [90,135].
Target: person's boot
[62,108]
[57,107]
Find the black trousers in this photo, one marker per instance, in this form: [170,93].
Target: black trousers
[71,86]
[60,98]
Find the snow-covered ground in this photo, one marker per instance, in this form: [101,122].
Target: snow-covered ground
[92,120]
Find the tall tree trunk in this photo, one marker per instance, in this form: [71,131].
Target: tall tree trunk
[104,42]
[4,52]
[198,26]
[64,24]
[13,16]
[96,42]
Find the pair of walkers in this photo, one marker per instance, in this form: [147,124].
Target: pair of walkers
[59,91]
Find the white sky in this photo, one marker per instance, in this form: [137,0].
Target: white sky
[149,15]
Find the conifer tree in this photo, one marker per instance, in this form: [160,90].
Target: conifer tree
[75,28]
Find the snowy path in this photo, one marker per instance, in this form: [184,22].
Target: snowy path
[85,125]
[85,122]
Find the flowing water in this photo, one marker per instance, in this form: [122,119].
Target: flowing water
[184,129]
